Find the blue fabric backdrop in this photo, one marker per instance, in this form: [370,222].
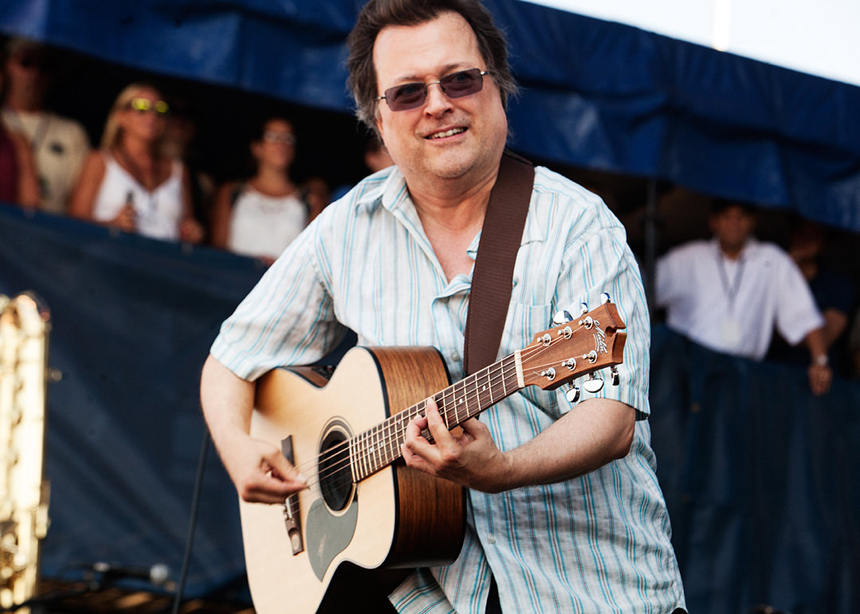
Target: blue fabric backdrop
[760,479]
[131,323]
[595,94]
[760,476]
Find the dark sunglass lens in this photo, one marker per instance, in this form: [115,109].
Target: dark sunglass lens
[407,96]
[456,85]
[463,83]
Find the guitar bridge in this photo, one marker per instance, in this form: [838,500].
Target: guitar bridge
[291,505]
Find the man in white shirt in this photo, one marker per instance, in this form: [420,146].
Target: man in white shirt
[728,294]
[60,145]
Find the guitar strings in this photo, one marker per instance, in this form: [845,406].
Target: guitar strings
[339,482]
[414,410]
[411,411]
[494,376]
[383,442]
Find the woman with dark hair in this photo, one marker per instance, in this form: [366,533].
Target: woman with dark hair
[131,183]
[261,216]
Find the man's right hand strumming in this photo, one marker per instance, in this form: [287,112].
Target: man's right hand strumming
[260,472]
[258,469]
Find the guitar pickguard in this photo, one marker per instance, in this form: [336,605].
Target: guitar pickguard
[328,535]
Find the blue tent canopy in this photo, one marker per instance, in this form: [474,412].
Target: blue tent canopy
[595,94]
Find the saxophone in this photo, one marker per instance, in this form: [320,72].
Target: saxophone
[24,327]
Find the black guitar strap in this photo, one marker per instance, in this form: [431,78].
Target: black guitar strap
[492,279]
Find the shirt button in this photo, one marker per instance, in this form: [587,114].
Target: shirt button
[491,539]
[455,357]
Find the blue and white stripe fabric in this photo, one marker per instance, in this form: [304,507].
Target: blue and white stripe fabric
[599,543]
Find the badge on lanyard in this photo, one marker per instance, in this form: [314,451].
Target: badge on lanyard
[731,332]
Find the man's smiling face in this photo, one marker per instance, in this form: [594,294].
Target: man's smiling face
[443,138]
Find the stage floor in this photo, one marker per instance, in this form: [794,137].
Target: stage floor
[78,598]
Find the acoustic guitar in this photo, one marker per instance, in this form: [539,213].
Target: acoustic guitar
[363,506]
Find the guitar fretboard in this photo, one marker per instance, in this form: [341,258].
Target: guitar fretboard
[380,446]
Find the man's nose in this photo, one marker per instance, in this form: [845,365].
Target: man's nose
[437,102]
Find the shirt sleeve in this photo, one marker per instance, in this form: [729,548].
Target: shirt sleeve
[287,319]
[796,313]
[599,261]
[668,279]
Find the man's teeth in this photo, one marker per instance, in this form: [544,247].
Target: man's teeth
[451,132]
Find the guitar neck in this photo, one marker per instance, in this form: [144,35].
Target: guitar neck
[380,446]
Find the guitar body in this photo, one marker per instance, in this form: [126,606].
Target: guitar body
[395,518]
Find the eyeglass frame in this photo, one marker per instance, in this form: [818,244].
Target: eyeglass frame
[391,91]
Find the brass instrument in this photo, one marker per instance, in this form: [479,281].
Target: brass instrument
[24,326]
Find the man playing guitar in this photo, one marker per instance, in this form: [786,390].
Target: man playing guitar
[564,510]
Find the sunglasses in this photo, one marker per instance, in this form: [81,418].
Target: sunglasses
[284,138]
[456,85]
[145,105]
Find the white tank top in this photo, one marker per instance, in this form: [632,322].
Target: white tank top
[264,225]
[158,212]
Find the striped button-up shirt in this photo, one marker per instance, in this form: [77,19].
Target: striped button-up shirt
[597,543]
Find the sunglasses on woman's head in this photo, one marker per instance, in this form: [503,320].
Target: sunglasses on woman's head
[145,105]
[456,85]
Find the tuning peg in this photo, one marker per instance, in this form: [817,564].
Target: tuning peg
[614,377]
[572,393]
[583,309]
[561,317]
[604,297]
[593,384]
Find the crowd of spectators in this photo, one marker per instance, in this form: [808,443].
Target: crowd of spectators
[733,293]
[144,177]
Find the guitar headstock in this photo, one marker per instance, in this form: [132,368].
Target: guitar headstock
[573,349]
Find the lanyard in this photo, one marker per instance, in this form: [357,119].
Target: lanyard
[730,289]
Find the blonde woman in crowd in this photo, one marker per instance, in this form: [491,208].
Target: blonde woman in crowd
[261,216]
[130,183]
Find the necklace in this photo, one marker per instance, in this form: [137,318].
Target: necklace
[148,181]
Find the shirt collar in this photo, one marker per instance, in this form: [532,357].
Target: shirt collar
[749,246]
[392,194]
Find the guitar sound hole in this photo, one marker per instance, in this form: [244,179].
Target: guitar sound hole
[334,471]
